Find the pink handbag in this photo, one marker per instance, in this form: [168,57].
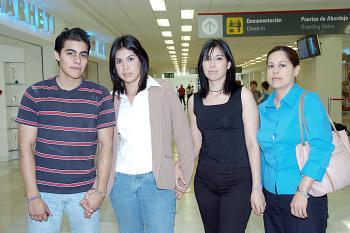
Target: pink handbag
[337,175]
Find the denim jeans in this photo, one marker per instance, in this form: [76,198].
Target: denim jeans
[65,203]
[140,207]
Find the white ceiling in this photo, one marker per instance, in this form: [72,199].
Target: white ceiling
[112,18]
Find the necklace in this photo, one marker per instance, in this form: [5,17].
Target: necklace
[216,91]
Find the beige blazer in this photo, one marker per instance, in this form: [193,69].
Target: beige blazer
[168,121]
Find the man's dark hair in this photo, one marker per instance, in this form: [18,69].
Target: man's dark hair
[76,34]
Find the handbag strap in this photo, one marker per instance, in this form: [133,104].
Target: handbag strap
[301,117]
[302,120]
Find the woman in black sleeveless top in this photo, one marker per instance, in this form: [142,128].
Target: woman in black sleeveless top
[224,121]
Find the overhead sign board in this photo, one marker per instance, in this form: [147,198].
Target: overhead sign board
[210,26]
[27,12]
[278,23]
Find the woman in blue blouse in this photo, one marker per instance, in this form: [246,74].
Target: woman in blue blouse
[289,207]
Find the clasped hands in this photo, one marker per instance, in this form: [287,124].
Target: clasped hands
[92,201]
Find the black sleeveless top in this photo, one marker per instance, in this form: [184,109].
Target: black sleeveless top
[223,142]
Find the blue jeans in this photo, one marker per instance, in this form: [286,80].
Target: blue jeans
[140,207]
[65,203]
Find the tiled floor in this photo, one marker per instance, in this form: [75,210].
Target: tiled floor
[13,212]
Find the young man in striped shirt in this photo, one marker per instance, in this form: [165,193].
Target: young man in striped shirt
[64,122]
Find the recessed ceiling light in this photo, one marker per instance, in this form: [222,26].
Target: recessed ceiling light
[157,5]
[184,50]
[169,42]
[187,14]
[167,34]
[163,22]
[186,28]
[172,52]
[186,38]
[184,54]
[171,47]
[173,56]
[185,44]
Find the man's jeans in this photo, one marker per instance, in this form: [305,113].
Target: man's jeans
[140,207]
[65,203]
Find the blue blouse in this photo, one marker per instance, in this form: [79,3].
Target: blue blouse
[279,134]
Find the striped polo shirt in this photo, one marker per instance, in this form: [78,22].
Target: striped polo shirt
[67,122]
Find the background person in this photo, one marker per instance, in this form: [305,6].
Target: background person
[181,92]
[265,92]
[189,92]
[256,93]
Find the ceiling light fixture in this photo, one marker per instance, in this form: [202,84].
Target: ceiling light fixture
[186,28]
[186,38]
[185,44]
[167,34]
[187,14]
[163,22]
[169,42]
[158,5]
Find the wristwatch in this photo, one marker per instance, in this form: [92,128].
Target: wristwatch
[303,193]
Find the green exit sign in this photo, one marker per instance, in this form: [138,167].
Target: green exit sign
[168,75]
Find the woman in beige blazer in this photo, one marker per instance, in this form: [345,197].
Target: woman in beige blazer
[142,183]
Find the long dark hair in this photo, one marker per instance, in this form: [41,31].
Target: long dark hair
[229,85]
[131,43]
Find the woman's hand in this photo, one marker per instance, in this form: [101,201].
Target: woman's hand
[257,200]
[298,205]
[180,183]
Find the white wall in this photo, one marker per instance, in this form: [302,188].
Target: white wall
[8,54]
[49,61]
[32,58]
